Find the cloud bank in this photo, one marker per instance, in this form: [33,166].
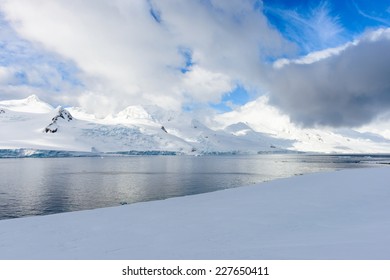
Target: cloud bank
[135,52]
[350,87]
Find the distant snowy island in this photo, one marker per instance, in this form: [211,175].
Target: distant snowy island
[337,215]
[33,128]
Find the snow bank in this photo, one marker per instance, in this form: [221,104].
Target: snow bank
[339,215]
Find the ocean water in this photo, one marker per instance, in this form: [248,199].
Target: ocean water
[41,186]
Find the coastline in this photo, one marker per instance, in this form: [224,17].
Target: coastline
[334,215]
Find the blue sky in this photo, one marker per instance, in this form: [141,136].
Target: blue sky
[353,15]
[314,26]
[349,19]
[216,54]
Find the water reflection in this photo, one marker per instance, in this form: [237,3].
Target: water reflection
[45,186]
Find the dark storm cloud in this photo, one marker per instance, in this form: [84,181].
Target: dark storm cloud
[347,89]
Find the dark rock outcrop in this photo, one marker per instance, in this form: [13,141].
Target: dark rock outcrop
[62,114]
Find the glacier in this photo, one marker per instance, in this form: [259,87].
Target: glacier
[33,128]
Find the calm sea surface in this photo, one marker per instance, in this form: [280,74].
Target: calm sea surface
[40,186]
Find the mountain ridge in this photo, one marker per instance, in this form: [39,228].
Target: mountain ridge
[32,124]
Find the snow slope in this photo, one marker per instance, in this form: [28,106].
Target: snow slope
[262,117]
[339,215]
[31,124]
[31,104]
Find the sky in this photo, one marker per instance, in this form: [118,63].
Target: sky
[323,63]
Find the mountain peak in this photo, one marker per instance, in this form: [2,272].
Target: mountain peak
[32,99]
[134,112]
[31,104]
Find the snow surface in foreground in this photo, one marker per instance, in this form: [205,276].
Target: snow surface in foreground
[339,215]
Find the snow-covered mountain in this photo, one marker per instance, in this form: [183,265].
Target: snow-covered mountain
[29,125]
[262,117]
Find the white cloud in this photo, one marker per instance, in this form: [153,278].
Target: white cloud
[312,57]
[5,75]
[26,69]
[127,57]
[206,86]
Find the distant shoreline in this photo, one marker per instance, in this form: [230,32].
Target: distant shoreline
[40,153]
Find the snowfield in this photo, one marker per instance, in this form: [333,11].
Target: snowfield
[34,126]
[337,215]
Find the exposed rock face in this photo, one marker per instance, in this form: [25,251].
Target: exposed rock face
[51,128]
[62,114]
[2,111]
